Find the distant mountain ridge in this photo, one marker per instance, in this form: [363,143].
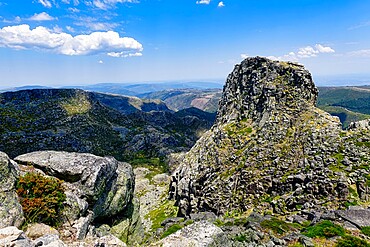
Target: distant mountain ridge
[130,89]
[80,121]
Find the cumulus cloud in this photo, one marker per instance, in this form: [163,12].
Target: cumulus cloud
[324,49]
[101,61]
[45,3]
[305,52]
[42,17]
[203,2]
[221,4]
[40,38]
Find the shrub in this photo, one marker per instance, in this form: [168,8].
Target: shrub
[172,229]
[351,241]
[241,238]
[277,226]
[41,198]
[325,229]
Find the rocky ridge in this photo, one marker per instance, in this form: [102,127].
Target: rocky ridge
[271,149]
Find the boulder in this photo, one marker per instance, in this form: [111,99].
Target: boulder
[198,234]
[100,184]
[11,213]
[12,236]
[49,240]
[37,230]
[359,217]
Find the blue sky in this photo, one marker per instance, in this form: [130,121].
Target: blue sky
[76,42]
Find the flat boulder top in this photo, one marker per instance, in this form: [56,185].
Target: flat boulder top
[61,164]
[359,217]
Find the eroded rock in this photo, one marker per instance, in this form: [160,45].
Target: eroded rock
[11,213]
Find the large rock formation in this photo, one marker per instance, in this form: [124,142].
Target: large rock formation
[271,148]
[11,213]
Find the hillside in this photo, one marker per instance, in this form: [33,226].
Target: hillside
[350,104]
[102,124]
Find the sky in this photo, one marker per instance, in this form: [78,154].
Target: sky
[79,42]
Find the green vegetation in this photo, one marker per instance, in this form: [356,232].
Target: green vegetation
[172,229]
[77,105]
[241,128]
[295,244]
[326,229]
[278,226]
[352,241]
[241,238]
[158,215]
[41,198]
[366,230]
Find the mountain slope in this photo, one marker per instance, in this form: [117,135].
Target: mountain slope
[179,99]
[80,121]
[350,104]
[271,149]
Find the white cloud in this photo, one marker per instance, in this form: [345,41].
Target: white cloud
[124,54]
[244,56]
[304,52]
[74,10]
[45,3]
[70,29]
[101,61]
[106,4]
[307,51]
[324,49]
[221,4]
[203,2]
[40,38]
[17,19]
[360,53]
[42,17]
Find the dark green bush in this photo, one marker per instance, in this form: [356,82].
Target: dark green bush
[277,226]
[351,241]
[41,198]
[366,230]
[325,229]
[241,238]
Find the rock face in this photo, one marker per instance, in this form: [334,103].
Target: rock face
[199,234]
[97,188]
[11,213]
[271,148]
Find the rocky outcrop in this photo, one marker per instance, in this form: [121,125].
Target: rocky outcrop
[97,188]
[11,213]
[104,183]
[271,148]
[199,234]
